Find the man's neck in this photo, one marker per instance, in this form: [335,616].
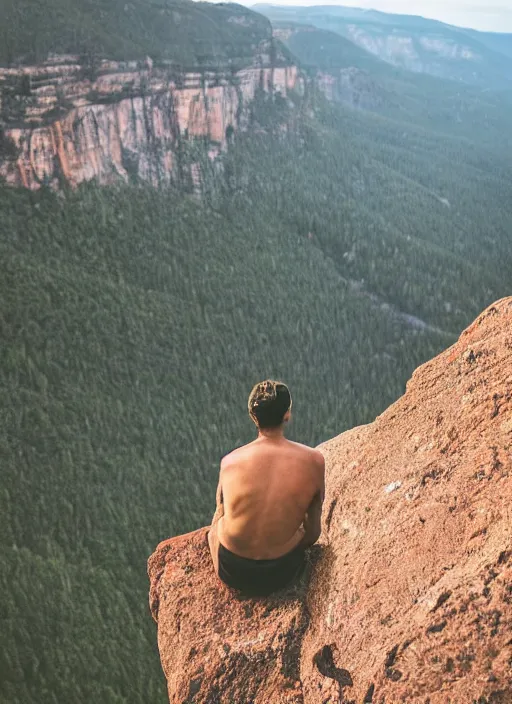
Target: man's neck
[271,433]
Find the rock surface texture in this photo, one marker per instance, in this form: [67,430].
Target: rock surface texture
[214,646]
[409,598]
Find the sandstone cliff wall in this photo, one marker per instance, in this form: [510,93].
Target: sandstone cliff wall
[63,124]
[408,597]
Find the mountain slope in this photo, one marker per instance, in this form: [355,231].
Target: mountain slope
[386,201]
[413,43]
[352,75]
[186,33]
[501,43]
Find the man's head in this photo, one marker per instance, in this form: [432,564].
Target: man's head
[270,404]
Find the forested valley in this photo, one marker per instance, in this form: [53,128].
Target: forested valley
[333,247]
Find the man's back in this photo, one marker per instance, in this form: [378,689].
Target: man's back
[269,501]
[267,489]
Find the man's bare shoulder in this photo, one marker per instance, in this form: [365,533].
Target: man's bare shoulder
[310,452]
[233,457]
[319,459]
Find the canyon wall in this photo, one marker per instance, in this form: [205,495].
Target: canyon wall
[350,85]
[69,122]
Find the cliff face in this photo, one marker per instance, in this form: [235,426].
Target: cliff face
[409,596]
[336,72]
[424,54]
[69,122]
[349,86]
[431,48]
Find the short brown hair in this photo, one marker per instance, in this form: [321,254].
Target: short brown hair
[268,403]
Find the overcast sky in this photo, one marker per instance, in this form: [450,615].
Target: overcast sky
[488,15]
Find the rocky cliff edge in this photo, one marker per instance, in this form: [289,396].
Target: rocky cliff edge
[408,596]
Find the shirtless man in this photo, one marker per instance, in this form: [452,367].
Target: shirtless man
[269,501]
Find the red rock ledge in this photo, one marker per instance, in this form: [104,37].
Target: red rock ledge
[411,597]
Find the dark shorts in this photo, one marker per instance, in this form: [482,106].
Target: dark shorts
[259,577]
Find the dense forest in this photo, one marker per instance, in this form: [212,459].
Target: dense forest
[135,324]
[332,247]
[183,33]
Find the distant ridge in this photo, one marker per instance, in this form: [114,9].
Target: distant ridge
[412,42]
[379,15]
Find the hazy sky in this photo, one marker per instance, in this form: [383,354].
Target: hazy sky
[488,15]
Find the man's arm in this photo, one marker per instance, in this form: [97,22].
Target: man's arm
[213,538]
[313,519]
[219,502]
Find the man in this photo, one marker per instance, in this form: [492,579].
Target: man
[269,501]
